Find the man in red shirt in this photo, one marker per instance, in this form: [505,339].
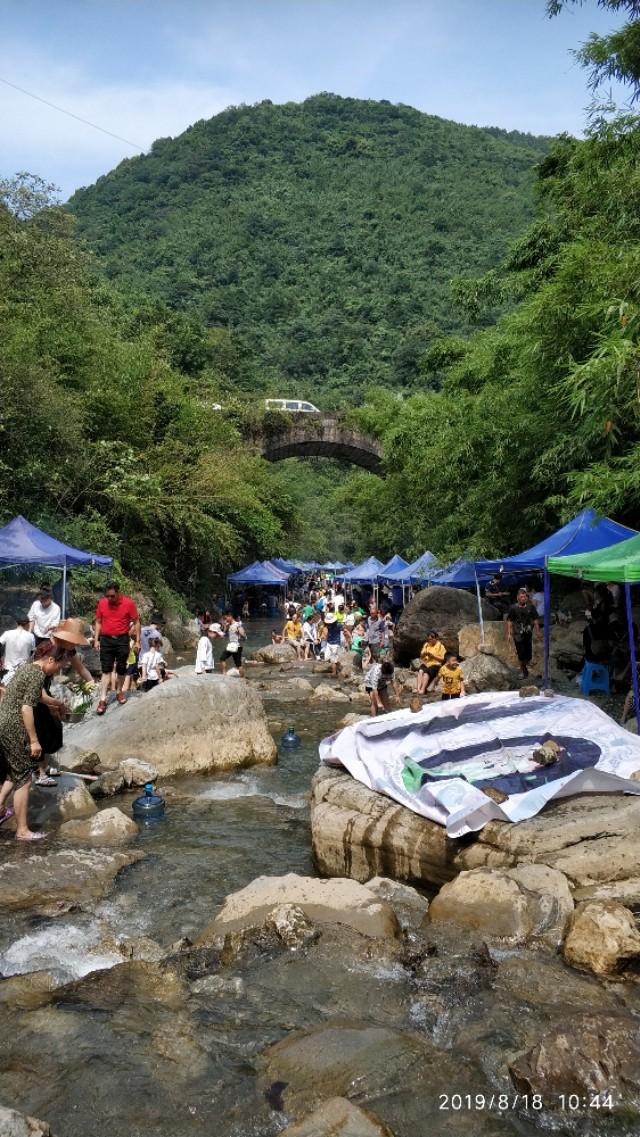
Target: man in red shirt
[116,619]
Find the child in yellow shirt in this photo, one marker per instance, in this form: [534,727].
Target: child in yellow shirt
[451,677]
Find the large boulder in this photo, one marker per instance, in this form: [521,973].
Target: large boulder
[324,693]
[494,642]
[604,938]
[192,724]
[14,1124]
[322,901]
[275,653]
[593,839]
[488,673]
[359,833]
[527,902]
[183,637]
[109,827]
[445,610]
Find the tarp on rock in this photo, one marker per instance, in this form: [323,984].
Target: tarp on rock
[438,762]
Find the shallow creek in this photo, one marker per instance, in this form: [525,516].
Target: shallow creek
[134,1051]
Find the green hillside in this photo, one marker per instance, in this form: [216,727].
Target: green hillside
[316,241]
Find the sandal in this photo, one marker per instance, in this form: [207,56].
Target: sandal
[121,698]
[44,780]
[101,707]
[6,814]
[53,772]
[32,837]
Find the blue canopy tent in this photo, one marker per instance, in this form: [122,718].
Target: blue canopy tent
[460,574]
[395,565]
[585,533]
[365,573]
[417,572]
[23,544]
[260,572]
[285,566]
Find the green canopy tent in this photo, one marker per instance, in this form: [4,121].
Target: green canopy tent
[619,563]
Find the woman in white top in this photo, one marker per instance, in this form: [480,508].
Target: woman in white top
[204,653]
[151,664]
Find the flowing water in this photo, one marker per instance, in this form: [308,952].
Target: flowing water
[133,1051]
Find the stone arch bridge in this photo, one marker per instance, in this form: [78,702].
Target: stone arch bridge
[323,436]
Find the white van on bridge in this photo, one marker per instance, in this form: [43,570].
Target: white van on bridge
[295,406]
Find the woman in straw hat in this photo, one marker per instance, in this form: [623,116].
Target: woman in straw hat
[19,741]
[67,635]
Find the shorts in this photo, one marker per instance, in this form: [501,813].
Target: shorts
[331,652]
[524,648]
[236,656]
[445,698]
[133,670]
[149,684]
[381,690]
[432,671]
[114,649]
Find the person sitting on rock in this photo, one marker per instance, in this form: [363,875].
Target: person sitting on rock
[432,657]
[451,677]
[292,633]
[310,636]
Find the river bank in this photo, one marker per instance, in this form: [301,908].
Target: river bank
[124,1016]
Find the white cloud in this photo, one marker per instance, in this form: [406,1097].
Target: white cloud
[45,141]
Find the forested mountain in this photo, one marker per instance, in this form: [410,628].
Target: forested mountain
[315,242]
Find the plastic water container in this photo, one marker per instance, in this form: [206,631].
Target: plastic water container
[149,806]
[290,740]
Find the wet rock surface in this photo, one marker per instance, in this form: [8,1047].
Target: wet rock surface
[109,827]
[53,881]
[14,1124]
[338,1117]
[322,901]
[604,937]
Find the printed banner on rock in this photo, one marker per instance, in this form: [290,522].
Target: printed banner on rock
[440,761]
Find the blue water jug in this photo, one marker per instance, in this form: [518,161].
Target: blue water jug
[290,740]
[149,806]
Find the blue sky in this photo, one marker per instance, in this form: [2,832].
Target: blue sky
[145,69]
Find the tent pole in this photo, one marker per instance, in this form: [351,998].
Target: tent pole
[480,619]
[547,624]
[64,589]
[632,653]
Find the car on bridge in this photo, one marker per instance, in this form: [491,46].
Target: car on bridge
[293,406]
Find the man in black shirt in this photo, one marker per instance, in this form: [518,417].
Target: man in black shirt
[522,618]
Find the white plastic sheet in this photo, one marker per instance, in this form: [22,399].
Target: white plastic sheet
[438,761]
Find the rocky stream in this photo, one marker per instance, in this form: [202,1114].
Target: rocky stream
[153,986]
